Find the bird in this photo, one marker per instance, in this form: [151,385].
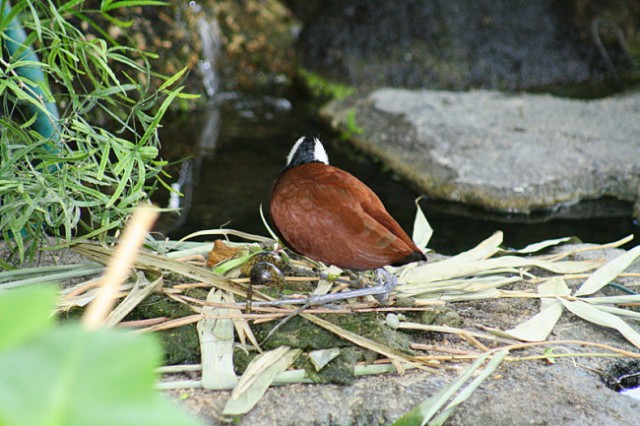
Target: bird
[328,215]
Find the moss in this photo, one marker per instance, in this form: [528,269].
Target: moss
[441,316]
[339,371]
[180,344]
[300,333]
[241,359]
[323,89]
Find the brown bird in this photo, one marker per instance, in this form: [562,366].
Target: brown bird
[329,215]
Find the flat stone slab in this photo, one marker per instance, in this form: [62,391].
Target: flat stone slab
[504,152]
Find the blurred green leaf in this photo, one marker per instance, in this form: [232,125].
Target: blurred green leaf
[70,376]
[25,314]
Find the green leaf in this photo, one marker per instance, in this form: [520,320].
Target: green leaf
[608,272]
[108,5]
[80,378]
[25,313]
[177,76]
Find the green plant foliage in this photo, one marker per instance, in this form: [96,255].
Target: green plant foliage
[352,126]
[322,88]
[102,159]
[66,375]
[34,316]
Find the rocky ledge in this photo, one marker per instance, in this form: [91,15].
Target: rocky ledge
[503,152]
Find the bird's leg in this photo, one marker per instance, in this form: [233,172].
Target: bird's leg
[354,278]
[386,281]
[380,291]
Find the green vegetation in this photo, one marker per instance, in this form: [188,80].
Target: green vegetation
[352,128]
[84,170]
[322,88]
[66,375]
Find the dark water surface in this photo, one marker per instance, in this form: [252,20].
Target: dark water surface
[238,146]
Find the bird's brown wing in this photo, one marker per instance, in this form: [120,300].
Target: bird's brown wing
[329,215]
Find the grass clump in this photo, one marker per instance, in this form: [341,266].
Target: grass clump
[78,140]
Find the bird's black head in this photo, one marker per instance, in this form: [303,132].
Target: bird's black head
[307,150]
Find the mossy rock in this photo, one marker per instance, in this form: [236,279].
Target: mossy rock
[300,333]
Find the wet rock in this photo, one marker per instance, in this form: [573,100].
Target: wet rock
[510,153]
[450,45]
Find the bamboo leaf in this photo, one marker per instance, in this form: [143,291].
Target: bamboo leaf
[422,231]
[538,327]
[141,289]
[484,250]
[610,300]
[216,346]
[322,357]
[536,247]
[425,411]
[593,314]
[242,326]
[493,364]
[608,272]
[456,286]
[256,379]
[619,311]
[455,267]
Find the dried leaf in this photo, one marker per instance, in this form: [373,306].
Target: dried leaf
[141,289]
[242,325]
[484,250]
[422,231]
[611,300]
[216,346]
[425,411]
[536,247]
[322,357]
[608,272]
[455,267]
[538,327]
[256,379]
[592,314]
[220,252]
[455,286]
[618,311]
[492,365]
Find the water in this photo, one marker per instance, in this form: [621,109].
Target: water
[633,393]
[238,146]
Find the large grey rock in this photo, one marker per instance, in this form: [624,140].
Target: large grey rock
[516,153]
